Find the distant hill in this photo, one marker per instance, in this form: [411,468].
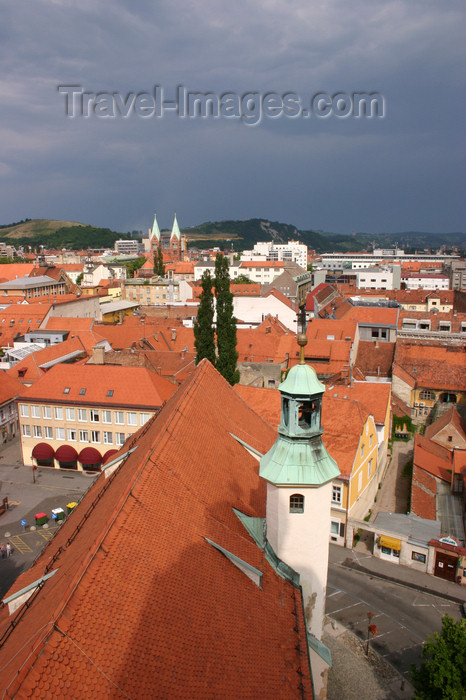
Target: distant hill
[58,234]
[242,234]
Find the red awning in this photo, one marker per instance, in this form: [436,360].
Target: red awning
[66,453]
[108,454]
[90,456]
[43,451]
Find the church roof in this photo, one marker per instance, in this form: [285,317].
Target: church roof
[155,231]
[176,233]
[154,591]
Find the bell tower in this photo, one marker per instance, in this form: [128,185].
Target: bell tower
[299,473]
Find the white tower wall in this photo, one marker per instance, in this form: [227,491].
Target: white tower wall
[301,541]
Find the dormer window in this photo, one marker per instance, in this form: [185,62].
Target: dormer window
[110,392]
[66,390]
[82,392]
[296,503]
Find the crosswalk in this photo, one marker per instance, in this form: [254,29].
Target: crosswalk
[19,544]
[24,543]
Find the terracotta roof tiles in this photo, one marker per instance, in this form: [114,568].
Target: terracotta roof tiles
[141,600]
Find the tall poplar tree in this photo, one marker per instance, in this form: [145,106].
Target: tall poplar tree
[159,267]
[204,335]
[226,322]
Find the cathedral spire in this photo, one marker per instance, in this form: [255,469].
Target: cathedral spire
[155,232]
[176,233]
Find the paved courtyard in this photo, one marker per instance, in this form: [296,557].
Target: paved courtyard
[29,493]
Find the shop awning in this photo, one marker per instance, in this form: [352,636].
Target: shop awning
[66,453]
[108,454]
[390,542]
[43,451]
[90,456]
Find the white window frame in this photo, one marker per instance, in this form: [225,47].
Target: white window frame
[94,415]
[72,436]
[95,437]
[24,410]
[70,414]
[59,433]
[48,432]
[37,431]
[47,412]
[143,418]
[120,439]
[132,418]
[108,437]
[58,413]
[35,411]
[82,415]
[106,417]
[337,492]
[83,436]
[118,415]
[26,430]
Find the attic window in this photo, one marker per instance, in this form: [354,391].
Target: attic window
[66,390]
[82,392]
[110,392]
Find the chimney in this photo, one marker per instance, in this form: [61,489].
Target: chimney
[173,334]
[98,355]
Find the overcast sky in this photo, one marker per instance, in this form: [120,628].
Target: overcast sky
[404,171]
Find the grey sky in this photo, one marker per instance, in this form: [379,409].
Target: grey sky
[403,172]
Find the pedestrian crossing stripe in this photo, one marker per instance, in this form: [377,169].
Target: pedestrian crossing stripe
[19,544]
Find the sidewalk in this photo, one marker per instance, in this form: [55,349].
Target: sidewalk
[368,564]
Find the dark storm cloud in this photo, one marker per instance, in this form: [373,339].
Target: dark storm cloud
[397,173]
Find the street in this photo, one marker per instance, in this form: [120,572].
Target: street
[403,616]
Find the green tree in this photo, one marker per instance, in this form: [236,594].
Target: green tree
[133,265]
[204,335]
[442,674]
[242,279]
[226,322]
[159,267]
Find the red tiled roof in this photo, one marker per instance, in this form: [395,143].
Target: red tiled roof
[374,396]
[423,494]
[12,271]
[131,386]
[29,370]
[65,323]
[322,328]
[432,458]
[9,388]
[372,315]
[375,358]
[140,602]
[431,366]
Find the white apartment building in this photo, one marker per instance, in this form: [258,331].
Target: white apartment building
[286,252]
[374,278]
[428,282]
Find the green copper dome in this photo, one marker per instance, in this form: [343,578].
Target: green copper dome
[301,380]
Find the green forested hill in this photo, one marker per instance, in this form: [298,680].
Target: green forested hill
[242,234]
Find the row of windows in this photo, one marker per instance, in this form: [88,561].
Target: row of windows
[95,415]
[71,435]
